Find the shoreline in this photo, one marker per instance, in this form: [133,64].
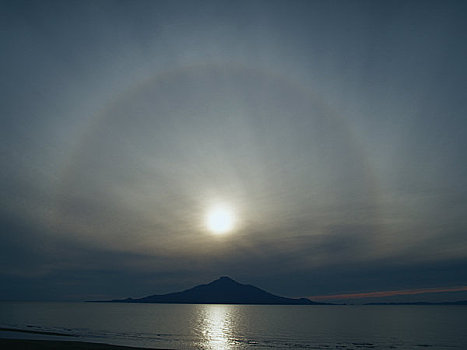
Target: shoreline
[43,340]
[30,344]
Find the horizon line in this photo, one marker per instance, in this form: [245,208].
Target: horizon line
[389,293]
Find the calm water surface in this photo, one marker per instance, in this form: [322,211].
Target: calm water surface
[246,326]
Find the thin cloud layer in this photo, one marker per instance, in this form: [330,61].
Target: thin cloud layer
[334,130]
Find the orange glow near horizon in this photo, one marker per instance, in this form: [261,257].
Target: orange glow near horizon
[389,293]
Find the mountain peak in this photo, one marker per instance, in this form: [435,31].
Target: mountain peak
[224,282]
[224,290]
[225,279]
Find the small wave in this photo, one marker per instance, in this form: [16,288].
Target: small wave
[30,331]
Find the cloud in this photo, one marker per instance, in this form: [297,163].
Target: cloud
[341,151]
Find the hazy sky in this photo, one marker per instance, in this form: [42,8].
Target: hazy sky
[336,130]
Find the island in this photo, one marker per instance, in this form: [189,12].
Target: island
[224,290]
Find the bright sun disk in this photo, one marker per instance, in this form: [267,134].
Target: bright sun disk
[220,220]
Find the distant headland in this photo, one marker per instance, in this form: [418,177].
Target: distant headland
[459,302]
[224,290]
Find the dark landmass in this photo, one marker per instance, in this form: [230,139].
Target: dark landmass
[25,344]
[221,291]
[460,302]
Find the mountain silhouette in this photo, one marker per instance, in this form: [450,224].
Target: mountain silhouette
[221,291]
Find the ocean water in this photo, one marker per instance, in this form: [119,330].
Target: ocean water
[244,326]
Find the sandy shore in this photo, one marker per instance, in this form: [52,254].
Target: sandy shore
[56,341]
[26,344]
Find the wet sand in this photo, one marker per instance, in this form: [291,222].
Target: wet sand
[56,342]
[26,344]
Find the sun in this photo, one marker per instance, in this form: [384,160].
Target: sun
[220,219]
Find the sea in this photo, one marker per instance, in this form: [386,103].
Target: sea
[203,326]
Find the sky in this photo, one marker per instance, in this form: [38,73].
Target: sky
[334,130]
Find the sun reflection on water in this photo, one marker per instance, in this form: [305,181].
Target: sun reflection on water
[216,327]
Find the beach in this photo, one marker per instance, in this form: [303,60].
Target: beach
[27,344]
[21,342]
